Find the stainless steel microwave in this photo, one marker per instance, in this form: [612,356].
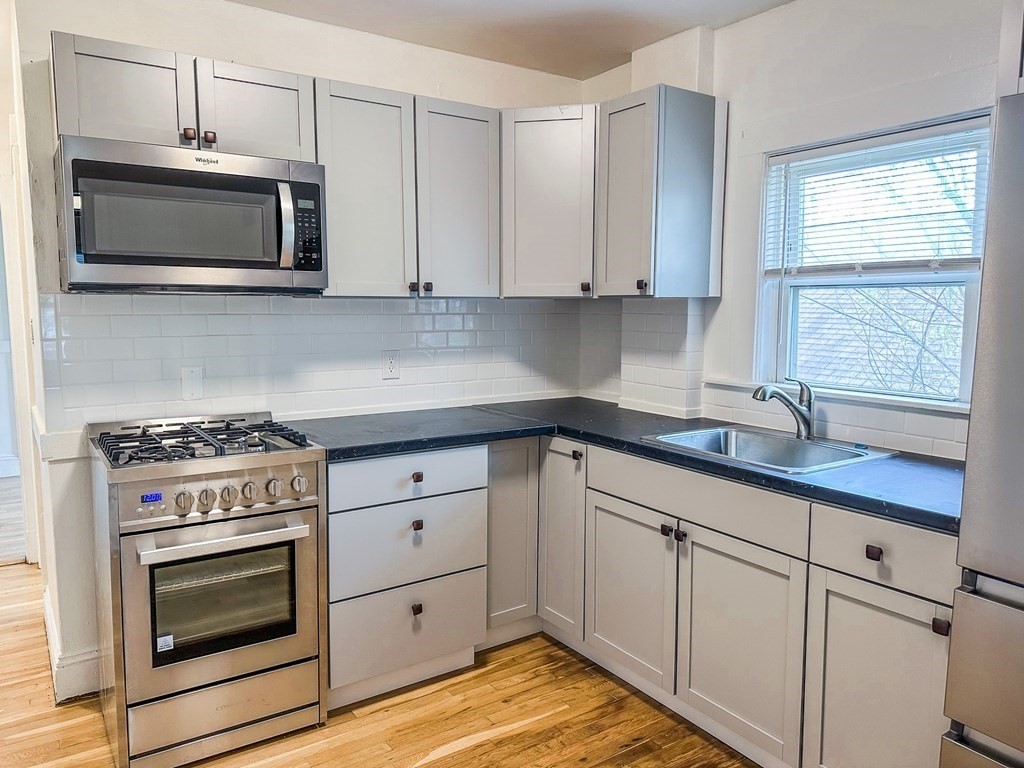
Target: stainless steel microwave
[145,218]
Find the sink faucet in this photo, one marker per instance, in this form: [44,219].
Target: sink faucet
[802,410]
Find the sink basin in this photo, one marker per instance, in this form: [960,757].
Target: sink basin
[767,449]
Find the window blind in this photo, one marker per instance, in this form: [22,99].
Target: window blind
[907,206]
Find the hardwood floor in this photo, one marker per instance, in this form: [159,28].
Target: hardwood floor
[12,521]
[533,704]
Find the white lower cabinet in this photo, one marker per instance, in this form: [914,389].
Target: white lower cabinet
[563,490]
[512,531]
[876,675]
[741,638]
[630,605]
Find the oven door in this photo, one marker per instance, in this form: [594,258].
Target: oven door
[214,601]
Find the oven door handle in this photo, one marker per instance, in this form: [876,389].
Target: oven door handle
[284,196]
[221,546]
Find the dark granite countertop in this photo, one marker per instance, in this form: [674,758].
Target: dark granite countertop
[912,488]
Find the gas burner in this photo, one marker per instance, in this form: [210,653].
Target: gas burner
[154,442]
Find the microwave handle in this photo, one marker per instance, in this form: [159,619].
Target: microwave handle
[284,194]
[221,546]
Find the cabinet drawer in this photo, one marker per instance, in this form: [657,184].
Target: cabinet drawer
[379,633]
[377,548]
[912,559]
[762,517]
[407,476]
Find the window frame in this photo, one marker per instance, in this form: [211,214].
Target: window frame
[775,340]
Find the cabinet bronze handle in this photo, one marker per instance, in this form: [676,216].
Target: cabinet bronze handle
[577,455]
[189,134]
[414,287]
[210,137]
[417,609]
[585,287]
[871,552]
[428,287]
[417,525]
[680,535]
[941,626]
[666,530]
[641,285]
[417,477]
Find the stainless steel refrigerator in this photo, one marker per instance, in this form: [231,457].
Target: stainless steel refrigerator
[985,681]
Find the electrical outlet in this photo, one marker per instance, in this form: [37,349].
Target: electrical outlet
[191,382]
[389,364]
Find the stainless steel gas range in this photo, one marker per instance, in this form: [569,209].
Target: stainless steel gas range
[210,564]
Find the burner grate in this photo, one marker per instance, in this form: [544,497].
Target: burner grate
[177,441]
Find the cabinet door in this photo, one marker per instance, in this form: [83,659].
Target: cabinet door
[457,198]
[563,488]
[117,91]
[627,156]
[253,111]
[741,638]
[365,142]
[547,201]
[512,531]
[876,676]
[631,587]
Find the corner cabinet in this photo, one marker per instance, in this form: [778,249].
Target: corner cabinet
[630,604]
[563,490]
[112,90]
[876,675]
[547,201]
[366,143]
[741,638]
[660,193]
[457,177]
[512,531]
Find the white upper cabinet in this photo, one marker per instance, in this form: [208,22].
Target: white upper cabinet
[1009,78]
[366,143]
[252,111]
[547,228]
[661,180]
[457,161]
[118,91]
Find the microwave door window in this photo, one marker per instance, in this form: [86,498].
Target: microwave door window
[131,222]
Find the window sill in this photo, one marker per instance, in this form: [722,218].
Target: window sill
[857,398]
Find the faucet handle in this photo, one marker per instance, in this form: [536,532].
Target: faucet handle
[806,393]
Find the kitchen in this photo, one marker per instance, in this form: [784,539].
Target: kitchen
[557,362]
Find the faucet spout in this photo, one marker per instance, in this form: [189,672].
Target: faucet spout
[802,410]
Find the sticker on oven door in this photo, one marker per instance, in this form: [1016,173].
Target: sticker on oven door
[165,643]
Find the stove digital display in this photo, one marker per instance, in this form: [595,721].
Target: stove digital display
[149,498]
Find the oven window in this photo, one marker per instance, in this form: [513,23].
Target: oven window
[217,603]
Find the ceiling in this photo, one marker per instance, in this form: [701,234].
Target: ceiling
[576,38]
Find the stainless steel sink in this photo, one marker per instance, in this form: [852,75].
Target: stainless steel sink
[767,449]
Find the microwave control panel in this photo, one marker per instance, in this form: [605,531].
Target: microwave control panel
[308,235]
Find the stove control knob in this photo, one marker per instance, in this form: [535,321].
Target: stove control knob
[229,494]
[184,501]
[300,484]
[207,497]
[274,488]
[249,490]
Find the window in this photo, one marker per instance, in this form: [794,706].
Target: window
[871,262]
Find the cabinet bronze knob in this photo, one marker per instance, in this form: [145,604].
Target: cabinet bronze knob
[680,535]
[417,525]
[585,287]
[941,626]
[666,530]
[189,134]
[414,287]
[577,455]
[210,137]
[871,552]
[417,477]
[428,287]
[417,609]
[641,285]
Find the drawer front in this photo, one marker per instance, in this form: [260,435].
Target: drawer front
[356,484]
[956,754]
[912,559]
[175,719]
[986,667]
[761,517]
[380,633]
[378,548]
